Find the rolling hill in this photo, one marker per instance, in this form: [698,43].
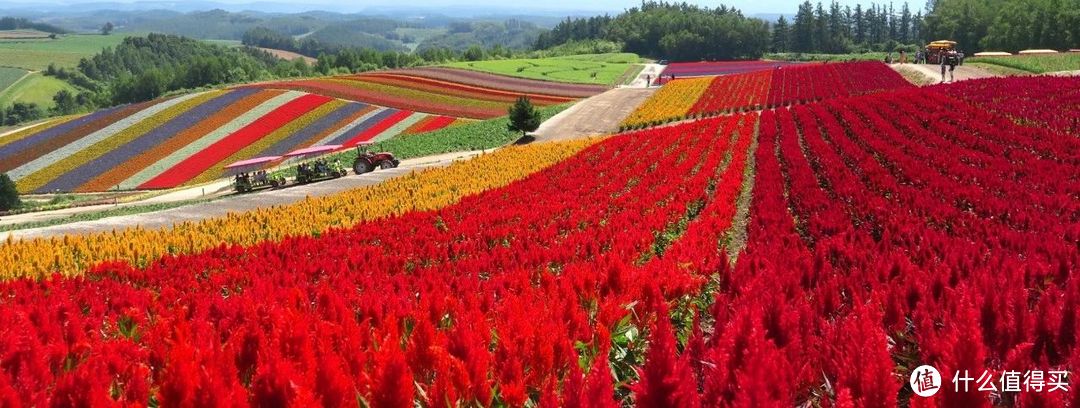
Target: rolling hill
[187,139]
[443,91]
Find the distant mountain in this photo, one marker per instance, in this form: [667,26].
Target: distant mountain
[387,8]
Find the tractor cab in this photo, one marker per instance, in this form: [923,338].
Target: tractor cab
[367,161]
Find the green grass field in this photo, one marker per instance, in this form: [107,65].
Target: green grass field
[998,69]
[1036,64]
[35,88]
[600,69]
[66,51]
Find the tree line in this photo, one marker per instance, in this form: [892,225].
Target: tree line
[15,23]
[677,31]
[838,30]
[1005,25]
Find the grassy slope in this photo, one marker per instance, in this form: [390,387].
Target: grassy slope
[35,88]
[601,69]
[1036,64]
[36,54]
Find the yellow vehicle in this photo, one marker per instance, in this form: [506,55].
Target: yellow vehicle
[935,50]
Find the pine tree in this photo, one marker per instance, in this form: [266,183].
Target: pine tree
[9,195]
[860,25]
[802,32]
[524,117]
[780,35]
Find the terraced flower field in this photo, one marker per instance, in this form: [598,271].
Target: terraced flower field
[809,255]
[696,69]
[802,83]
[187,139]
[441,91]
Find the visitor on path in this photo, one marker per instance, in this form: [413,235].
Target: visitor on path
[950,59]
[944,65]
[903,57]
[648,81]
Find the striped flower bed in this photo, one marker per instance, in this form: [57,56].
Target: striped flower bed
[505,83]
[171,142]
[444,92]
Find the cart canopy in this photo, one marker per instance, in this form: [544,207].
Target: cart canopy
[313,150]
[253,162]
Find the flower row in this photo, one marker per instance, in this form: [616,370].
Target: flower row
[879,242]
[708,96]
[504,83]
[672,102]
[1033,101]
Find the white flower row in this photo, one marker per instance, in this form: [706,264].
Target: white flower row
[208,139]
[399,127]
[89,140]
[355,123]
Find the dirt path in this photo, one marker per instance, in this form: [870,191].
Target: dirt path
[597,115]
[647,75]
[236,203]
[962,73]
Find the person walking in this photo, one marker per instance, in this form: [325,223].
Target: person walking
[954,60]
[943,61]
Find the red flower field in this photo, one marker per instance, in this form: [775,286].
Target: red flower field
[803,256]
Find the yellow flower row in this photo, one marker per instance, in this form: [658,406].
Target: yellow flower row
[672,102]
[425,190]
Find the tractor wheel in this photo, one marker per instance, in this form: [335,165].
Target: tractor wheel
[386,164]
[361,167]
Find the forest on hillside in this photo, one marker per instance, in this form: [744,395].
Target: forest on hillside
[677,31]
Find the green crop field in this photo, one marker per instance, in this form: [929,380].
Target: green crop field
[1036,64]
[8,77]
[35,88]
[66,51]
[600,69]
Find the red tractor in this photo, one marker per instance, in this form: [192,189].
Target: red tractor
[367,161]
